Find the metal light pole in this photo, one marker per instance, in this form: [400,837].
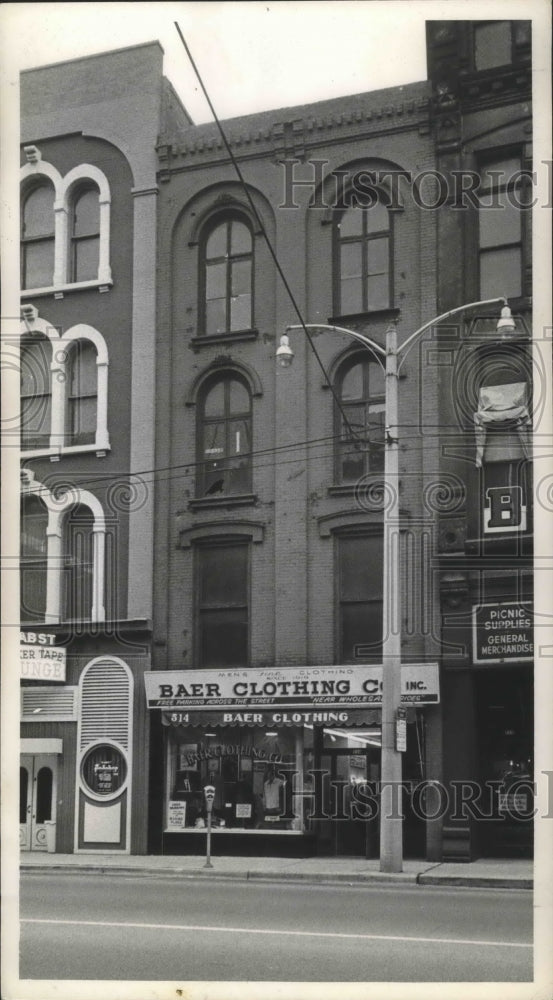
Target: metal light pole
[391,822]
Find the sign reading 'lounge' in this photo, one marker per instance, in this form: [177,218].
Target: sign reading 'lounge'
[292,687]
[502,632]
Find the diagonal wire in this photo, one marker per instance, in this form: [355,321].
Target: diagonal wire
[259,221]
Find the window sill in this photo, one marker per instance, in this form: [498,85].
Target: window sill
[236,500]
[223,338]
[350,489]
[226,830]
[54,454]
[58,291]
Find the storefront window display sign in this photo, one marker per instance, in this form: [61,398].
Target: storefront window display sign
[104,770]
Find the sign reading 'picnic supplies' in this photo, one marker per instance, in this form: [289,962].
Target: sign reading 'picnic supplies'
[502,632]
[294,687]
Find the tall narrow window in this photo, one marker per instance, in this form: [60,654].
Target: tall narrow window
[37,238]
[82,394]
[228,278]
[500,221]
[78,563]
[224,429]
[36,398]
[360,440]
[33,563]
[492,44]
[223,619]
[85,237]
[360,598]
[363,259]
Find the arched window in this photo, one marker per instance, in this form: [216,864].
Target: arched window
[37,238]
[360,386]
[363,259]
[85,235]
[78,558]
[34,558]
[82,394]
[224,436]
[228,278]
[36,397]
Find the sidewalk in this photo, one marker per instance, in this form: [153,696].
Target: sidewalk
[490,872]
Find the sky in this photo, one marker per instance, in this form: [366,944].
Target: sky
[253,56]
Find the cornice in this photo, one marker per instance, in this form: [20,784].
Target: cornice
[293,135]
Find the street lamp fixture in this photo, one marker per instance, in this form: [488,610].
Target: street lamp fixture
[391,826]
[285,354]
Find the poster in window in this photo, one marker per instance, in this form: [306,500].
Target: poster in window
[176,815]
[188,757]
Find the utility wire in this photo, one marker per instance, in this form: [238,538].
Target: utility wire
[260,223]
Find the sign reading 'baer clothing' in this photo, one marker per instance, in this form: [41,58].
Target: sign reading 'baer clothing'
[293,687]
[502,632]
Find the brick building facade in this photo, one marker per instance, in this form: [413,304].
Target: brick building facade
[88,257]
[270,516]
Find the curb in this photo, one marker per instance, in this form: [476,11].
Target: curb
[477,881]
[370,878]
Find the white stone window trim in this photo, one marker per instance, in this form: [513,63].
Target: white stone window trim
[64,191]
[58,507]
[33,323]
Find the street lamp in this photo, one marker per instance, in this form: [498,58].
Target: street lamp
[391,829]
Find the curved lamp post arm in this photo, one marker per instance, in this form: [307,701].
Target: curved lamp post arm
[439,319]
[361,337]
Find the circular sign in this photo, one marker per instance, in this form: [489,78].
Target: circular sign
[103,769]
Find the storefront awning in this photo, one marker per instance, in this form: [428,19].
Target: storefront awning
[338,718]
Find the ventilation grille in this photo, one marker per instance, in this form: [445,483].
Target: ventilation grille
[49,704]
[105,704]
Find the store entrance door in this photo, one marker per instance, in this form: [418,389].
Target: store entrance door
[37,798]
[351,802]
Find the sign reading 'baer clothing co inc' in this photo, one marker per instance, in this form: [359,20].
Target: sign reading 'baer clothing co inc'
[40,658]
[502,632]
[293,687]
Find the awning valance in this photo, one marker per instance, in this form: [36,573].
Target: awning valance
[338,719]
[507,405]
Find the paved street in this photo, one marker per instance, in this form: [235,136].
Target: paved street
[131,927]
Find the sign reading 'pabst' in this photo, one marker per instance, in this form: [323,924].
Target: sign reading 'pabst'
[293,687]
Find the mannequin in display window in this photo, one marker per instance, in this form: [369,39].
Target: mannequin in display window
[273,794]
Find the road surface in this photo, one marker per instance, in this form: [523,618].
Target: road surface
[137,927]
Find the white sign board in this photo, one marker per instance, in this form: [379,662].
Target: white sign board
[176,815]
[289,687]
[39,657]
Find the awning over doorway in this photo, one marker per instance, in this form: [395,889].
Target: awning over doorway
[299,717]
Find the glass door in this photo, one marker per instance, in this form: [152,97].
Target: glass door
[37,797]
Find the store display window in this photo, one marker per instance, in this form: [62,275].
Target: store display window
[253,773]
